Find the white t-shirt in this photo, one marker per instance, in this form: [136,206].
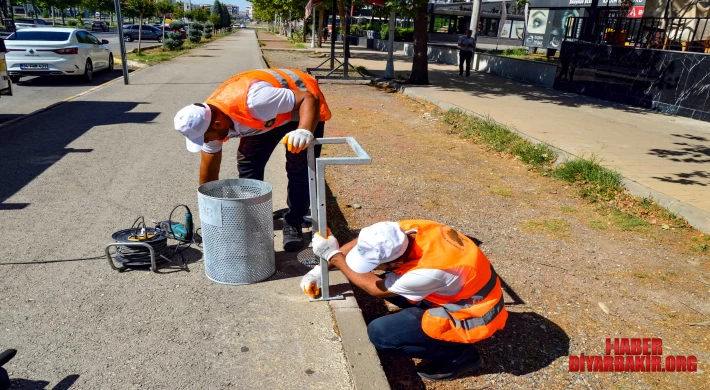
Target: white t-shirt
[264,102]
[416,285]
[464,40]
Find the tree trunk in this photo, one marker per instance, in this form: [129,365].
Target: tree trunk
[163,28]
[420,64]
[51,9]
[341,11]
[321,16]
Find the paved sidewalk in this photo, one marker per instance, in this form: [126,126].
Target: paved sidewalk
[75,174]
[666,158]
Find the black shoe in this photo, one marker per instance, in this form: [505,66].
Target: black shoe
[460,73]
[468,74]
[293,237]
[439,371]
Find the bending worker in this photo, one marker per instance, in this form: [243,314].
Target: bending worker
[448,291]
[263,107]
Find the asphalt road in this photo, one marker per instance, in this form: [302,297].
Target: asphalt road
[33,93]
[77,173]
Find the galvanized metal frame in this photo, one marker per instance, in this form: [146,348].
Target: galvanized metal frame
[316,186]
[153,266]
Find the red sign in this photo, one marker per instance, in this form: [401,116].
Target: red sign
[636,12]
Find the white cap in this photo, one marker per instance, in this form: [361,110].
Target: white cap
[193,121]
[377,244]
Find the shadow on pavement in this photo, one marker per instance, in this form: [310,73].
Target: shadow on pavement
[484,85]
[28,384]
[29,147]
[100,77]
[692,153]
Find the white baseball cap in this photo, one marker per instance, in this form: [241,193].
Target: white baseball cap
[377,244]
[193,121]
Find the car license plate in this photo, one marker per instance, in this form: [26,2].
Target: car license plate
[34,66]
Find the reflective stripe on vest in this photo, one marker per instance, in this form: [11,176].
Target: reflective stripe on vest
[279,78]
[296,79]
[470,323]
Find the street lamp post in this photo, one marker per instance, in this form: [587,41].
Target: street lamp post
[121,42]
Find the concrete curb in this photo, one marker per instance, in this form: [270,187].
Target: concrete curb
[59,103]
[697,218]
[363,363]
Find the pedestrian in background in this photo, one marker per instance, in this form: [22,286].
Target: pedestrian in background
[467,45]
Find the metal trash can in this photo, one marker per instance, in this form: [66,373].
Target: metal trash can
[236,216]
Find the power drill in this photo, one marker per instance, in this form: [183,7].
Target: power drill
[179,231]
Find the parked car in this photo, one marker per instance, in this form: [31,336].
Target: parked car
[243,26]
[46,51]
[236,25]
[22,23]
[99,25]
[5,84]
[148,32]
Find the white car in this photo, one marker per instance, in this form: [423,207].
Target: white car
[5,84]
[55,52]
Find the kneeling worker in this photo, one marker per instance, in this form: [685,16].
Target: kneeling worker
[448,291]
[263,107]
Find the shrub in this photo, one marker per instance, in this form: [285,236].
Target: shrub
[401,34]
[195,33]
[45,13]
[72,22]
[208,30]
[176,25]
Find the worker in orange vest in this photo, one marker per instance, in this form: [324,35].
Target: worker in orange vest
[263,107]
[449,293]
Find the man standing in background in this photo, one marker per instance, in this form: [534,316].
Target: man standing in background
[467,44]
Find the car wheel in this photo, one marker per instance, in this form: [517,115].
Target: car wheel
[15,79]
[110,63]
[128,38]
[88,71]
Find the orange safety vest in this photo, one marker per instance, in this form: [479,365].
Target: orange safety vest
[231,96]
[477,311]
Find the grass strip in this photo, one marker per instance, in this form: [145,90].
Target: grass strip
[158,54]
[596,183]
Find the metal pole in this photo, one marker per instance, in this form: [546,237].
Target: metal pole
[121,42]
[346,39]
[475,12]
[332,36]
[389,69]
[313,29]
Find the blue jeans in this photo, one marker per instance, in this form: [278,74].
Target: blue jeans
[254,153]
[401,334]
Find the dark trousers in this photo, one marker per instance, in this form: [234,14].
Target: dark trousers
[254,153]
[465,56]
[401,334]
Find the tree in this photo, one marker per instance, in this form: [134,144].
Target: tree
[208,30]
[164,8]
[201,15]
[141,8]
[225,19]
[216,11]
[179,11]
[195,32]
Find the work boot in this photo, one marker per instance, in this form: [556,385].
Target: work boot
[293,237]
[439,371]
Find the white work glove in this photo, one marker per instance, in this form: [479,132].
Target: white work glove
[297,140]
[310,284]
[325,247]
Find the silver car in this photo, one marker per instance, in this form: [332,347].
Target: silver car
[56,51]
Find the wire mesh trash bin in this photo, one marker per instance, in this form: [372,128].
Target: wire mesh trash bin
[237,230]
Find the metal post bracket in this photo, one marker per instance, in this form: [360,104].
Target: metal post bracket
[316,186]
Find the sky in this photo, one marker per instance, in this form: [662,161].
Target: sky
[242,4]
